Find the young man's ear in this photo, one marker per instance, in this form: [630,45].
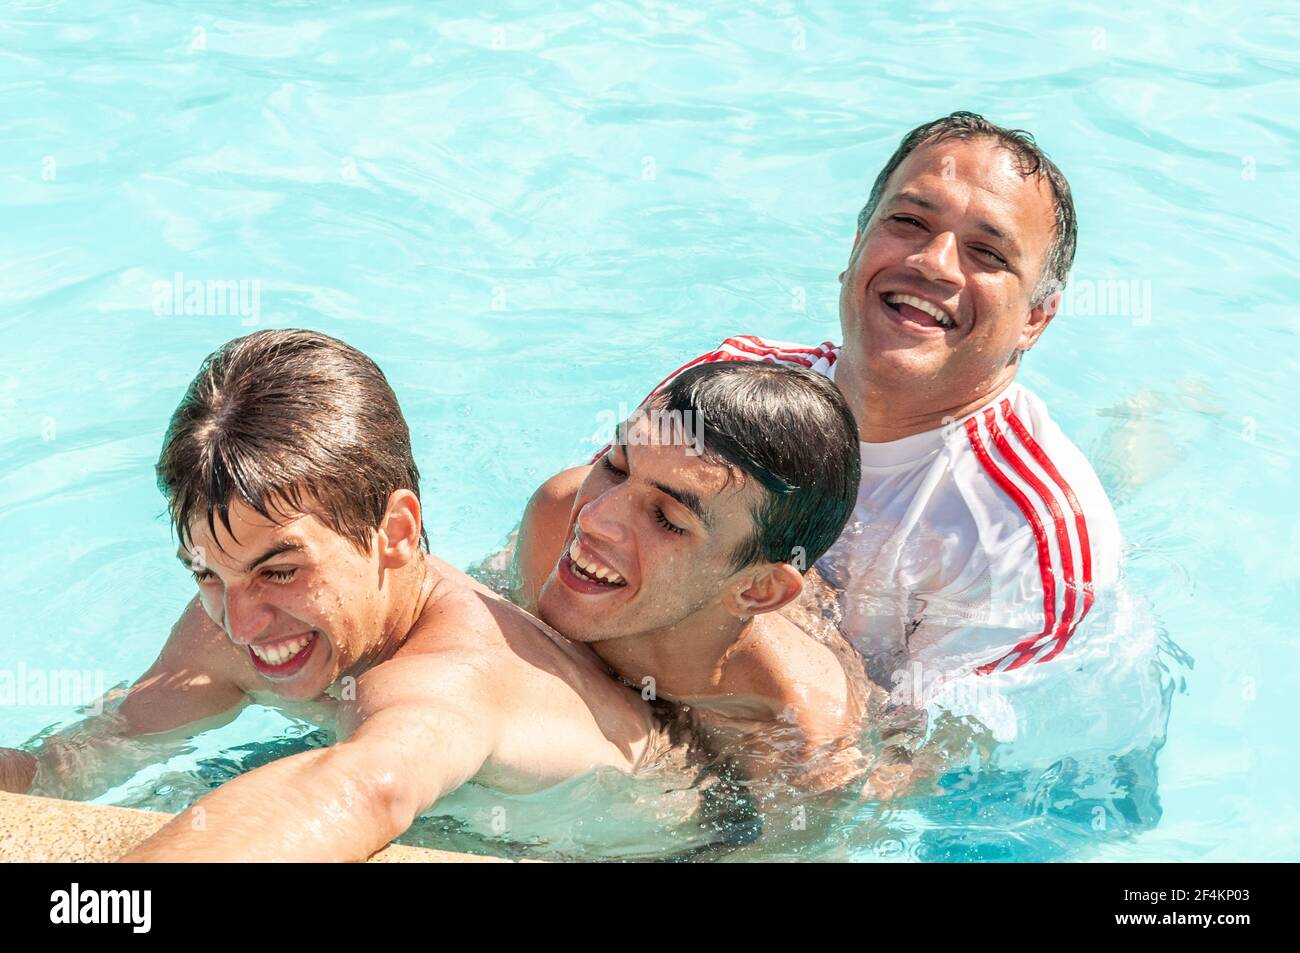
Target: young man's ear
[399,531]
[763,589]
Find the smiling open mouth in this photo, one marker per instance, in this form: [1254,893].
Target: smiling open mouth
[918,311]
[284,658]
[583,572]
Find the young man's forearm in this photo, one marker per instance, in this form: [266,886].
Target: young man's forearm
[84,760]
[322,805]
[78,764]
[345,802]
[334,804]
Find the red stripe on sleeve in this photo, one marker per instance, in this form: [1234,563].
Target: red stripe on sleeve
[1081,524]
[1044,551]
[1064,629]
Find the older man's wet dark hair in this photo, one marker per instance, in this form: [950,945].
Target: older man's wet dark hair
[790,430]
[290,422]
[1031,161]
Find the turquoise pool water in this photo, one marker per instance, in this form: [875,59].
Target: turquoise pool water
[528,219]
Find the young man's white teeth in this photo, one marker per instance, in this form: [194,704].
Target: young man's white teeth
[573,552]
[601,573]
[279,654]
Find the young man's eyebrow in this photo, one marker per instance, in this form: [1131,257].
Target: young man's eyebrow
[687,498]
[279,549]
[288,546]
[913,198]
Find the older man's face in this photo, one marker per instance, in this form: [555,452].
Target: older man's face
[958,231]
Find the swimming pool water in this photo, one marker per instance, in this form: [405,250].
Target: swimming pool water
[527,219]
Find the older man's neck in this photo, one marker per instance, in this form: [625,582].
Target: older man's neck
[890,413]
[684,660]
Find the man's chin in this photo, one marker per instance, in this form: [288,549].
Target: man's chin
[301,690]
[902,363]
[565,619]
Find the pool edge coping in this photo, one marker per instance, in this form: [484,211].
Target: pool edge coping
[47,830]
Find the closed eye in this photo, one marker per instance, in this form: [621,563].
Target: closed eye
[907,220]
[609,466]
[278,576]
[665,523]
[992,254]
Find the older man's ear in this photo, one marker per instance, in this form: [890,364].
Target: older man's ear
[1040,316]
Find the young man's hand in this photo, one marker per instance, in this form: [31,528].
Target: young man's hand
[17,770]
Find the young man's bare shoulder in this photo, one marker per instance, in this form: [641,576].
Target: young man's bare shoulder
[799,673]
[523,662]
[465,615]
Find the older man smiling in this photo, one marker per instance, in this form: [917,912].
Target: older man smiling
[981,536]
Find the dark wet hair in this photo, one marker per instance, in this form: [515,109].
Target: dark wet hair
[1031,161]
[288,422]
[792,431]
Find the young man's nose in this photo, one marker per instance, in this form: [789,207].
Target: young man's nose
[604,518]
[940,260]
[245,618]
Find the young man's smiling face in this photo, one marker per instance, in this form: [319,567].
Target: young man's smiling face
[937,293]
[651,540]
[300,601]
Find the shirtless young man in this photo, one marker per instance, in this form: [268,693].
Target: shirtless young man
[309,595]
[649,555]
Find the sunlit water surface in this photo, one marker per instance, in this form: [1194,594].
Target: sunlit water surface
[527,219]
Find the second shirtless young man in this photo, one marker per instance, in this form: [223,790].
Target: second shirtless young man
[670,558]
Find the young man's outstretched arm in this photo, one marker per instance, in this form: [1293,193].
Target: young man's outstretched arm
[424,725]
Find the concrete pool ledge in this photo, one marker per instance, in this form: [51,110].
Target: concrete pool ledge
[41,829]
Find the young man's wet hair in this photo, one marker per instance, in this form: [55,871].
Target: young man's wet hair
[791,431]
[288,422]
